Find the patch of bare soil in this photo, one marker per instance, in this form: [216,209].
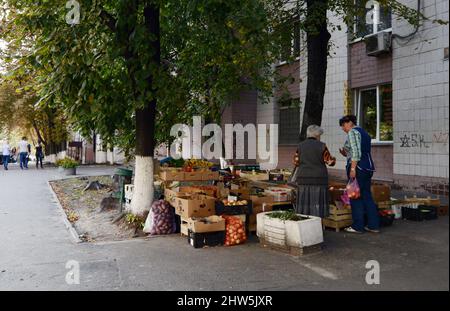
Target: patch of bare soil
[94,214]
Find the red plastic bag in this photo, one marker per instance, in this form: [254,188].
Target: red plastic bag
[352,189]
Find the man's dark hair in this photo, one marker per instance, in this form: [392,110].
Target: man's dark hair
[347,118]
[24,138]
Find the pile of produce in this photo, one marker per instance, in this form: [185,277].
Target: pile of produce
[161,219]
[234,203]
[197,163]
[234,231]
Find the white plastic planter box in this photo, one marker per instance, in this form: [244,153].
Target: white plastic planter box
[296,234]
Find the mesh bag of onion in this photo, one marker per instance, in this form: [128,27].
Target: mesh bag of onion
[235,231]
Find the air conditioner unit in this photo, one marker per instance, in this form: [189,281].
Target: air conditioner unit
[378,43]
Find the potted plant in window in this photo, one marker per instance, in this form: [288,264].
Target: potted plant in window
[68,165]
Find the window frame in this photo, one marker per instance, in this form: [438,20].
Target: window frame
[374,28]
[291,106]
[358,92]
[295,23]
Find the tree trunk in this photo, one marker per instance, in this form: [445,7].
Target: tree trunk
[145,126]
[317,46]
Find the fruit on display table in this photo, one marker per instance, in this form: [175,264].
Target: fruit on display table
[226,202]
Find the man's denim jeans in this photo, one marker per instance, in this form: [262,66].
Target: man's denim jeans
[23,160]
[5,161]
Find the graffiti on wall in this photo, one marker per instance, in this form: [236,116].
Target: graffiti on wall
[419,140]
[440,138]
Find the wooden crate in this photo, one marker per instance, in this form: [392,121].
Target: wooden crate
[337,225]
[295,251]
[340,214]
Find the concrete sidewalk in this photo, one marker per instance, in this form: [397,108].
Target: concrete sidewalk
[35,247]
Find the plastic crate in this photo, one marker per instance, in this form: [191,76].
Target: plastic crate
[411,213]
[222,209]
[429,212]
[422,212]
[386,220]
[199,240]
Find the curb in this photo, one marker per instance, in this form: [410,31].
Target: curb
[72,232]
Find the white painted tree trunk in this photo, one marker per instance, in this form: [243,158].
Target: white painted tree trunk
[143,186]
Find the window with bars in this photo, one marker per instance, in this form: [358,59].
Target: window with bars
[289,122]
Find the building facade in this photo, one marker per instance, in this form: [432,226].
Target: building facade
[398,89]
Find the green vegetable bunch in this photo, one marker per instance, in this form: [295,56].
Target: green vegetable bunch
[67,163]
[286,215]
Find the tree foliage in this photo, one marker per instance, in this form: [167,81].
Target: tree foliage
[97,70]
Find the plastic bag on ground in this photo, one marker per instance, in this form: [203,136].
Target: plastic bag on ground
[161,219]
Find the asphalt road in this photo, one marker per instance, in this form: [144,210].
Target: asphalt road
[37,253]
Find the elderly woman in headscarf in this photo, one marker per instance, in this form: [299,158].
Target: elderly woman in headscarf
[311,159]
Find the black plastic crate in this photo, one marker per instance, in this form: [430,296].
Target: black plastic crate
[386,220]
[177,223]
[422,212]
[222,209]
[199,240]
[411,213]
[429,212]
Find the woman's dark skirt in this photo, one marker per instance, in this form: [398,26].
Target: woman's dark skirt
[313,200]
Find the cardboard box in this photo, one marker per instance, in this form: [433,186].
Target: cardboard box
[171,195]
[190,204]
[254,177]
[252,219]
[171,175]
[195,205]
[211,191]
[259,200]
[184,229]
[381,193]
[279,194]
[261,204]
[193,176]
[210,175]
[206,224]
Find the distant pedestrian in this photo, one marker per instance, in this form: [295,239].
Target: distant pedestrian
[23,153]
[6,152]
[39,154]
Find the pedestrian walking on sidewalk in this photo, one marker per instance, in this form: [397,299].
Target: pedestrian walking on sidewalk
[6,153]
[39,154]
[357,149]
[23,153]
